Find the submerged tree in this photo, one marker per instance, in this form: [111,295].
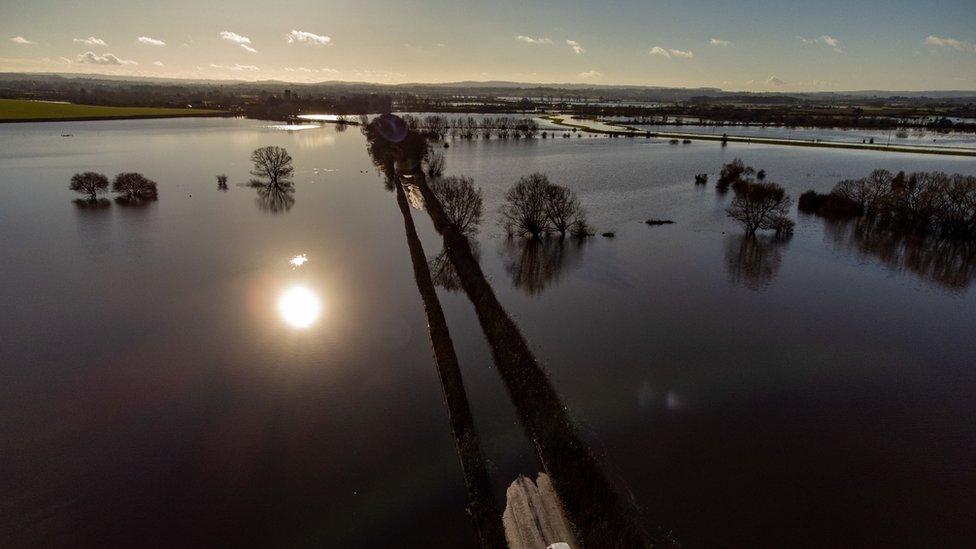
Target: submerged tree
[434,164]
[733,173]
[461,201]
[563,210]
[89,183]
[524,211]
[134,188]
[222,182]
[273,163]
[760,206]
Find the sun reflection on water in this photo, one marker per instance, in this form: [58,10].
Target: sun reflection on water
[299,307]
[298,260]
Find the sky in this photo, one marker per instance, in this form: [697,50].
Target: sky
[748,45]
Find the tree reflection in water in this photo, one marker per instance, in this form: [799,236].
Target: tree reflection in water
[753,260]
[443,271]
[274,197]
[536,263]
[950,264]
[593,504]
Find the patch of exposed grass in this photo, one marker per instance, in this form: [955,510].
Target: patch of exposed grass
[13,110]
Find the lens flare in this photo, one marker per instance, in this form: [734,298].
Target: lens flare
[299,307]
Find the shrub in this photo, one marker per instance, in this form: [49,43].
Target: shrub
[434,164]
[732,173]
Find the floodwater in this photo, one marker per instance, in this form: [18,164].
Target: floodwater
[240,367]
[913,137]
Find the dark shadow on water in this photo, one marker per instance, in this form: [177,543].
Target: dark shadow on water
[275,198]
[482,507]
[537,263]
[950,264]
[443,272]
[594,504]
[753,260]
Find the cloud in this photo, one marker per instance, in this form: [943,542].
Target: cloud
[90,41]
[577,48]
[658,50]
[774,80]
[158,63]
[107,59]
[21,40]
[235,67]
[309,38]
[958,45]
[234,37]
[150,41]
[247,48]
[720,42]
[590,74]
[530,40]
[824,39]
[307,70]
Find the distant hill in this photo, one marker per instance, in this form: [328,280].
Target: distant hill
[10,82]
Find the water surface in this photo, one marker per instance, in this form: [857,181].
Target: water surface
[748,392]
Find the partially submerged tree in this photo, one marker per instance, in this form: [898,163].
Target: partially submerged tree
[89,183]
[563,209]
[273,163]
[534,207]
[461,201]
[134,188]
[222,182]
[760,206]
[524,211]
[733,173]
[434,164]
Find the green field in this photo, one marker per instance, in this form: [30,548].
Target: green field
[14,110]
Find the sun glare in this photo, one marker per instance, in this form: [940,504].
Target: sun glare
[298,260]
[299,307]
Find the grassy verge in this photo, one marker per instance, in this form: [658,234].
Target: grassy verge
[19,110]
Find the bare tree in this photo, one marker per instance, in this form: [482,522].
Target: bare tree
[759,206]
[868,192]
[434,164]
[563,209]
[222,182]
[134,187]
[89,183]
[273,163]
[461,201]
[524,211]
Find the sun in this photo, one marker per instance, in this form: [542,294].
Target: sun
[299,307]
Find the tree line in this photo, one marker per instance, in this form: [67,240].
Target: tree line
[924,203]
[438,127]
